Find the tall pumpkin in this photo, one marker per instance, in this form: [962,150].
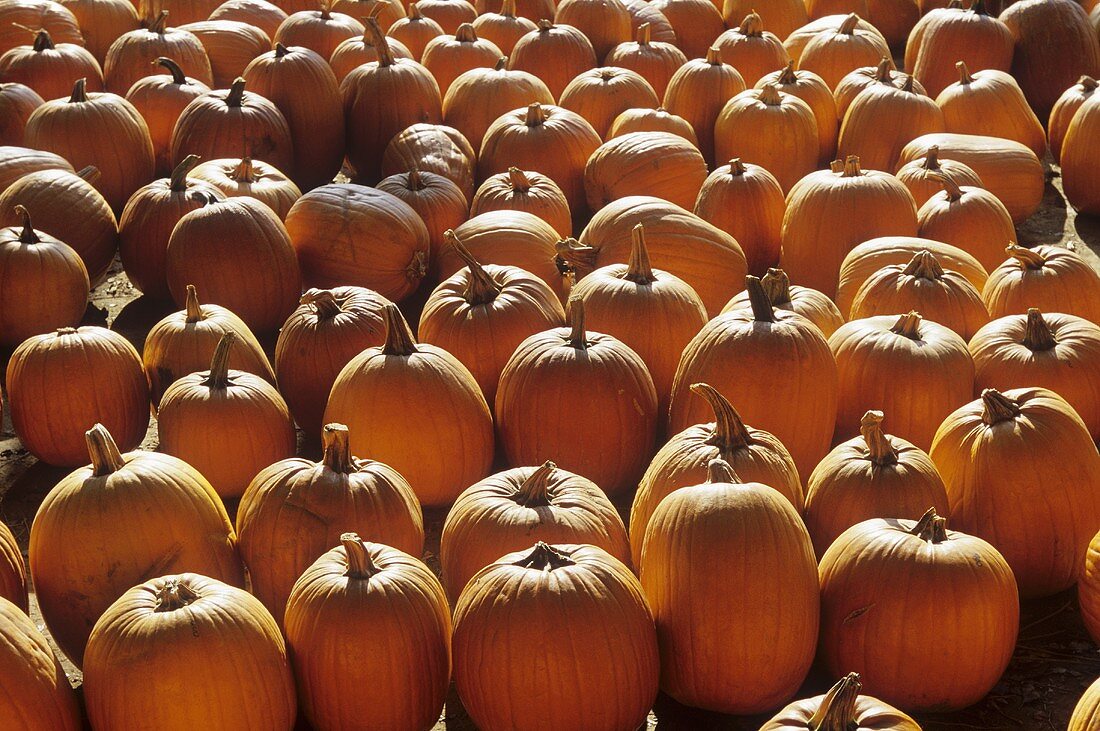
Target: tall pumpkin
[17,103]
[1079,170]
[697,23]
[1043,438]
[1048,277]
[605,22]
[477,97]
[319,29]
[812,89]
[414,31]
[133,55]
[395,678]
[358,50]
[449,56]
[811,304]
[841,707]
[747,202]
[432,148]
[1063,112]
[604,93]
[718,620]
[183,526]
[503,28]
[438,201]
[51,409]
[882,119]
[554,53]
[644,163]
[946,36]
[161,100]
[568,612]
[856,82]
[699,90]
[38,693]
[990,102]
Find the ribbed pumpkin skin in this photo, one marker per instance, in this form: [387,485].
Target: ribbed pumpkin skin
[55,18]
[318,340]
[717,621]
[51,408]
[437,200]
[606,23]
[652,120]
[867,713]
[132,56]
[696,23]
[1047,444]
[236,177]
[103,21]
[370,653]
[747,202]
[257,279]
[184,526]
[1005,357]
[1048,277]
[296,509]
[449,56]
[585,624]
[811,304]
[917,378]
[1078,156]
[13,572]
[184,11]
[434,148]
[604,93]
[502,26]
[751,47]
[554,53]
[50,69]
[160,100]
[38,694]
[990,102]
[246,680]
[917,175]
[476,98]
[781,18]
[15,162]
[1061,115]
[483,335]
[812,89]
[260,13]
[832,54]
[644,163]
[450,14]
[1087,712]
[870,580]
[415,31]
[659,27]
[230,45]
[881,120]
[505,512]
[528,191]
[790,149]
[356,51]
[698,91]
[654,61]
[319,30]
[944,36]
[796,41]
[17,103]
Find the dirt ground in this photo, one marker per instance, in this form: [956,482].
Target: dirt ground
[1055,660]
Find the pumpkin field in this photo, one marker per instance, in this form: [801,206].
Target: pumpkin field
[565,365]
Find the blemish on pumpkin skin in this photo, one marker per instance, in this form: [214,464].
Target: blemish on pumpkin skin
[857,613]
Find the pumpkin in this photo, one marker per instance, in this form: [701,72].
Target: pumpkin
[869,257]
[246,680]
[383,98]
[13,572]
[869,476]
[447,57]
[882,119]
[1086,713]
[745,201]
[652,312]
[697,23]
[50,69]
[233,123]
[750,49]
[132,55]
[913,369]
[230,45]
[943,296]
[782,16]
[728,353]
[576,612]
[749,617]
[1079,171]
[1048,277]
[184,342]
[292,509]
[503,29]
[842,707]
[855,82]
[871,578]
[919,175]
[450,14]
[15,162]
[303,87]
[124,150]
[894,19]
[32,263]
[683,461]
[830,212]
[797,40]
[990,103]
[1055,351]
[654,61]
[521,138]
[1043,75]
[823,8]
[832,54]
[810,88]
[260,13]
[51,409]
[506,511]
[480,314]
[320,30]
[606,23]
[679,242]
[971,218]
[651,120]
[18,15]
[39,694]
[602,94]
[236,177]
[1064,110]
[790,149]
[456,448]
[17,103]
[944,37]
[479,96]
[345,233]
[183,526]
[1008,169]
[533,10]
[328,329]
[811,304]
[433,148]
[533,416]
[524,190]
[67,207]
[645,163]
[698,91]
[415,31]
[342,600]
[183,11]
[387,13]
[438,201]
[659,27]
[554,53]
[161,100]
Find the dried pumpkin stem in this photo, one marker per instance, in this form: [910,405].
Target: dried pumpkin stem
[730,433]
[964,73]
[1027,257]
[192,308]
[174,595]
[80,91]
[848,25]
[360,565]
[851,167]
[577,336]
[415,14]
[908,325]
[508,8]
[787,76]
[399,339]
[173,68]
[907,85]
[27,235]
[737,168]
[950,187]
[638,269]
[777,285]
[544,557]
[714,56]
[89,174]
[770,95]
[42,41]
[235,97]
[178,182]
[932,158]
[159,24]
[879,448]
[378,40]
[1087,83]
[103,451]
[836,166]
[415,181]
[762,310]
[930,527]
[884,72]
[535,490]
[337,456]
[642,37]
[501,64]
[323,301]
[924,265]
[518,180]
[837,711]
[1037,334]
[481,287]
[996,407]
[752,25]
[218,376]
[536,115]
[244,172]
[545,25]
[466,34]
[281,50]
[719,470]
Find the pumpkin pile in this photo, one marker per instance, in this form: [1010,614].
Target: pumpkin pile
[702,331]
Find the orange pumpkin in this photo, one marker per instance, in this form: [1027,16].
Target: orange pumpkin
[606,23]
[781,16]
[1078,160]
[1064,110]
[53,17]
[555,53]
[882,119]
[841,707]
[438,201]
[654,61]
[697,23]
[13,571]
[946,36]
[645,163]
[320,30]
[450,14]
[387,13]
[971,218]
[17,103]
[812,89]
[797,40]
[990,103]
[230,45]
[1048,277]
[1086,713]
[919,175]
[652,120]
[832,54]
[161,100]
[184,11]
[528,191]
[433,148]
[750,49]
[503,29]
[39,693]
[260,13]
[533,10]
[699,90]
[415,31]
[855,82]
[745,201]
[15,162]
[478,97]
[602,94]
[811,304]
[447,57]
[50,69]
[132,55]
[237,177]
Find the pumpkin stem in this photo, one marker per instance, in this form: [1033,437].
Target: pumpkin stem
[964,73]
[931,527]
[730,433]
[191,307]
[281,50]
[719,470]
[174,595]
[643,35]
[243,172]
[978,7]
[415,181]
[996,407]
[848,26]
[788,76]
[27,235]
[536,115]
[762,310]
[571,252]
[399,339]
[545,25]
[577,336]
[508,8]
[883,72]
[770,95]
[481,287]
[1087,83]
[414,12]
[218,376]
[159,24]
[235,97]
[737,168]
[535,490]
[954,5]
[777,285]
[178,182]
[908,325]
[851,167]
[173,68]
[519,180]
[103,451]
[80,92]
[1037,334]
[544,557]
[378,40]
[337,456]
[1027,257]
[714,56]
[89,174]
[501,64]
[836,166]
[907,85]
[752,25]
[323,301]
[932,158]
[638,269]
[466,34]
[360,565]
[879,448]
[924,265]
[837,711]
[42,41]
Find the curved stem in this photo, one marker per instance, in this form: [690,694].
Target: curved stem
[518,180]
[924,265]
[174,595]
[218,376]
[643,35]
[837,711]
[378,40]
[192,308]
[536,115]
[769,94]
[777,285]
[719,470]
[89,174]
[730,433]
[1037,334]
[787,76]
[714,56]
[466,33]
[931,527]
[1087,83]
[360,565]
[544,557]
[178,182]
[908,326]
[399,339]
[323,301]
[762,310]
[535,490]
[851,167]
[337,456]
[1027,257]
[481,288]
[545,25]
[577,336]
[752,25]
[27,235]
[883,72]
[964,73]
[235,97]
[160,23]
[950,187]
[103,451]
[879,448]
[849,25]
[907,85]
[244,172]
[281,50]
[80,91]
[638,269]
[414,12]
[173,68]
[996,407]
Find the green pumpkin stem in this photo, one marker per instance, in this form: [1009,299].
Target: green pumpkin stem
[337,455]
[996,407]
[217,378]
[27,235]
[762,310]
[481,287]
[544,557]
[1037,334]
[837,711]
[103,451]
[399,339]
[930,527]
[360,565]
[879,448]
[535,490]
[730,432]
[174,594]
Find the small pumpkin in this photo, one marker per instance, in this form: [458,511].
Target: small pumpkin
[796,41]
[750,49]
[260,13]
[319,29]
[50,69]
[236,177]
[747,202]
[13,571]
[697,23]
[554,53]
[645,163]
[17,103]
[479,96]
[39,693]
[503,29]
[528,191]
[882,119]
[230,45]
[832,54]
[990,103]
[812,89]
[855,82]
[160,100]
[843,706]
[782,16]
[919,175]
[447,57]
[416,30]
[651,120]
[1048,277]
[971,218]
[432,148]
[811,304]
[699,90]
[1064,110]
[132,55]
[654,61]
[606,23]
[946,36]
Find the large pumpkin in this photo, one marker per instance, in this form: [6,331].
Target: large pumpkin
[53,17]
[1043,438]
[356,51]
[812,89]
[369,633]
[260,13]
[183,526]
[50,69]
[236,177]
[449,56]
[882,119]
[38,694]
[989,102]
[652,120]
[949,35]
[415,31]
[293,508]
[503,28]
[811,304]
[655,61]
[697,23]
[797,40]
[832,54]
[160,100]
[319,29]
[1048,277]
[438,201]
[568,612]
[1064,110]
[450,14]
[432,148]
[751,49]
[554,53]
[644,163]
[606,23]
[17,103]
[602,94]
[747,202]
[782,17]
[476,98]
[789,150]
[699,90]
[1079,172]
[524,190]
[230,45]
[133,55]
[842,707]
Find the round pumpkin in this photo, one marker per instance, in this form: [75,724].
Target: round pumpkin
[527,191]
[811,304]
[432,148]
[260,13]
[13,571]
[50,69]
[991,103]
[752,50]
[606,23]
[51,16]
[842,707]
[1064,110]
[15,162]
[416,30]
[236,177]
[856,82]
[447,57]
[436,199]
[450,14]
[645,163]
[654,61]
[652,120]
[882,119]
[696,24]
[812,89]
[503,29]
[17,103]
[1048,277]
[945,36]
[601,94]
[38,693]
[833,53]
[699,90]
[319,29]
[782,16]
[918,175]
[230,45]
[747,202]
[477,97]
[554,53]
[160,100]
[133,55]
